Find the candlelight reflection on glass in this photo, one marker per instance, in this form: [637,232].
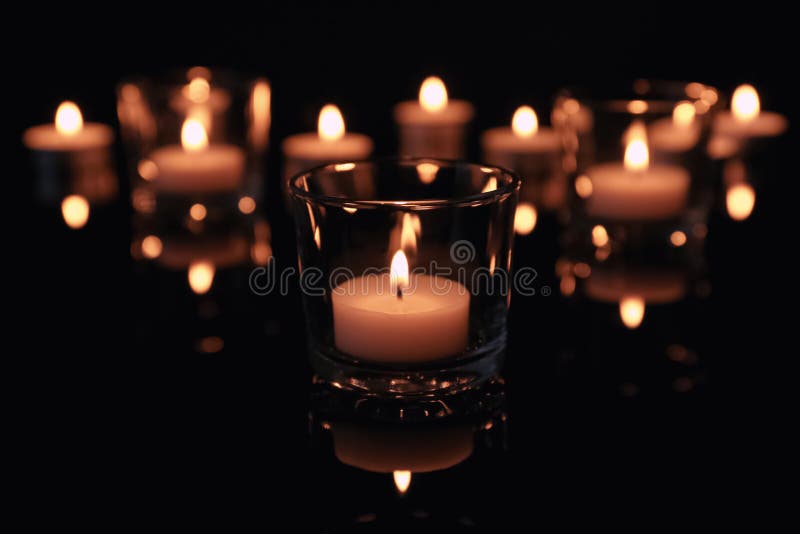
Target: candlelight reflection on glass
[395,271]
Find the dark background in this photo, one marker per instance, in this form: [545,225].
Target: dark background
[128,418]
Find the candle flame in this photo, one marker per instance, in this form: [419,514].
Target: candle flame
[677,238]
[491,185]
[740,199]
[69,120]
[427,172]
[584,186]
[399,272]
[683,114]
[637,156]
[330,125]
[631,311]
[525,123]
[201,276]
[260,113]
[525,219]
[197,90]
[152,247]
[599,236]
[75,210]
[745,103]
[433,94]
[193,136]
[402,480]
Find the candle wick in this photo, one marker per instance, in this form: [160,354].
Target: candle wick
[399,293]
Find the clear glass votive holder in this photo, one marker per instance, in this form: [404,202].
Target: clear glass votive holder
[196,142]
[641,176]
[405,272]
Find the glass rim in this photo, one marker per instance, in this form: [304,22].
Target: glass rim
[501,192]
[659,89]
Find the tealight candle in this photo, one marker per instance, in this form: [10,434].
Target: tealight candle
[635,189]
[69,133]
[330,143]
[746,121]
[676,134]
[195,166]
[434,126]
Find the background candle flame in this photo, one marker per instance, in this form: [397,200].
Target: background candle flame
[75,210]
[427,172]
[683,114]
[330,125]
[402,480]
[399,272]
[69,120]
[631,311]
[433,94]
[198,90]
[745,103]
[193,136]
[525,218]
[201,276]
[525,123]
[740,199]
[637,156]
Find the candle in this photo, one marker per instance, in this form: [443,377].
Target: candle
[69,133]
[433,126]
[195,167]
[636,190]
[331,143]
[678,133]
[400,317]
[746,121]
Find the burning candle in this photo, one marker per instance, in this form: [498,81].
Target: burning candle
[746,121]
[69,133]
[331,143]
[195,166]
[433,126]
[636,190]
[400,317]
[679,133]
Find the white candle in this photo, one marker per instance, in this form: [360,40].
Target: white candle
[636,190]
[746,121]
[331,143]
[433,126]
[69,133]
[397,318]
[195,166]
[676,134]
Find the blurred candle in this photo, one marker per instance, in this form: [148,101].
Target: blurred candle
[433,126]
[746,120]
[679,133]
[68,133]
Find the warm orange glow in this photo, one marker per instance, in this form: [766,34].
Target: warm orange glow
[571,106]
[152,247]
[260,113]
[198,72]
[745,103]
[210,344]
[148,170]
[193,136]
[427,172]
[197,90]
[694,89]
[631,311]
[525,123]
[599,236]
[637,156]
[677,238]
[637,107]
[75,210]
[701,107]
[567,285]
[350,210]
[740,199]
[525,219]
[69,120]
[341,167]
[402,480]
[198,212]
[399,272]
[709,96]
[317,238]
[410,228]
[330,125]
[583,186]
[433,94]
[247,205]
[582,270]
[683,114]
[491,185]
[201,276]
[602,253]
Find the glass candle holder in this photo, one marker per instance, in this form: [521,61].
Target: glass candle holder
[196,142]
[404,268]
[640,168]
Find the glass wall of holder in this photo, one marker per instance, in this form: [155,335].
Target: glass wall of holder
[405,272]
[196,142]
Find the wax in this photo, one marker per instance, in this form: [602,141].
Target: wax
[666,136]
[46,137]
[215,168]
[660,287]
[436,134]
[765,124]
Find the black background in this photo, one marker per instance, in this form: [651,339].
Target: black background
[133,423]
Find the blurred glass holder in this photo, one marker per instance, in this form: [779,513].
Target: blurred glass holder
[196,144]
[404,270]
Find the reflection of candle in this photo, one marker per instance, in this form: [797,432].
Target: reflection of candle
[69,133]
[678,133]
[330,143]
[636,190]
[399,317]
[746,120]
[433,126]
[196,166]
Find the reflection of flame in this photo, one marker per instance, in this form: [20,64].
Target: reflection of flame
[583,186]
[198,90]
[330,125]
[148,170]
[410,229]
[427,172]
[201,276]
[69,120]
[247,205]
[198,212]
[677,238]
[433,94]
[525,219]
[350,210]
[637,107]
[524,123]
[745,103]
[317,238]
[637,156]
[152,247]
[399,272]
[599,236]
[341,167]
[75,210]
[631,311]
[683,114]
[193,136]
[740,199]
[402,480]
[491,185]
[260,113]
